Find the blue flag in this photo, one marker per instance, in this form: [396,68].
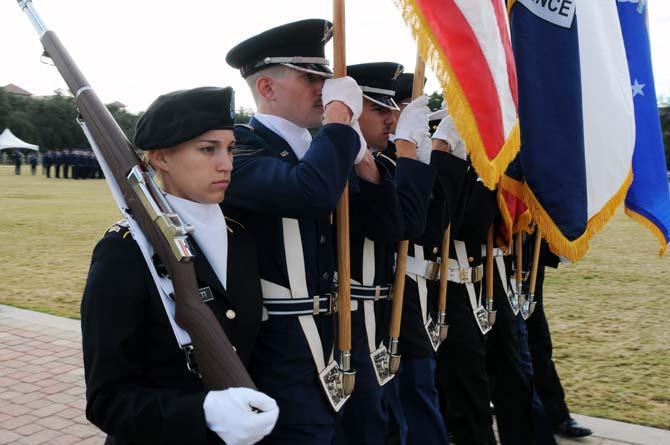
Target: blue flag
[648,198]
[576,118]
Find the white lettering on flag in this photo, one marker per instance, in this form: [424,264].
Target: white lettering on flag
[558,12]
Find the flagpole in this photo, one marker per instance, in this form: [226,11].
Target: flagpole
[489,277]
[401,260]
[533,271]
[518,276]
[442,325]
[342,212]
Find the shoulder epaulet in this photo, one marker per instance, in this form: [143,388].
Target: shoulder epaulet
[234,224]
[382,155]
[245,126]
[243,150]
[121,227]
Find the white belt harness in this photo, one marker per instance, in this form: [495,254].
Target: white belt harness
[378,353]
[430,270]
[420,280]
[480,313]
[274,294]
[512,297]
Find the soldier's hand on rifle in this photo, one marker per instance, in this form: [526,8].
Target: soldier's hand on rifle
[346,91]
[446,131]
[413,121]
[240,416]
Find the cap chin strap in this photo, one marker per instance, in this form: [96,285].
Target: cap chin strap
[307,70]
[393,107]
[290,62]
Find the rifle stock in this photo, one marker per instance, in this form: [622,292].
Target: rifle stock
[218,363]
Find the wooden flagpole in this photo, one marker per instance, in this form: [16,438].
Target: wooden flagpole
[343,253]
[533,271]
[489,277]
[401,260]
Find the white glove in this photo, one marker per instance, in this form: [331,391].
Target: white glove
[364,145]
[424,149]
[446,131]
[413,121]
[233,415]
[346,90]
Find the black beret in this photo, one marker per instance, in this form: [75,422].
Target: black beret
[180,116]
[298,45]
[404,85]
[377,80]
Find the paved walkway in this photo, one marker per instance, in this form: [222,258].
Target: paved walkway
[42,388]
[42,381]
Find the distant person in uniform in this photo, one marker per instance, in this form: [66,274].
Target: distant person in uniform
[17,162]
[66,162]
[32,160]
[47,160]
[138,388]
[57,161]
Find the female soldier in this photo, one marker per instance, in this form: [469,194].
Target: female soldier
[138,388]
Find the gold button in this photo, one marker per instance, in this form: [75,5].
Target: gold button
[470,259]
[230,314]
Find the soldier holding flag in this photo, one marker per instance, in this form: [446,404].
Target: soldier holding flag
[286,185]
[365,416]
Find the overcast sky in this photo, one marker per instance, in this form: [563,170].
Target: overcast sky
[134,50]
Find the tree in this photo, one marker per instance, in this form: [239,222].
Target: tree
[5,109]
[243,115]
[126,120]
[435,101]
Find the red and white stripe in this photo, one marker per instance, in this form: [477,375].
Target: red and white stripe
[474,37]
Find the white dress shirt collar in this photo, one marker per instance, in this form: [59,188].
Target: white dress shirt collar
[209,231]
[297,137]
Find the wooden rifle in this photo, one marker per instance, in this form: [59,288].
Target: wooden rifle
[218,364]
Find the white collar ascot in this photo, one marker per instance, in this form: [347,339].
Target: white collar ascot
[209,231]
[297,137]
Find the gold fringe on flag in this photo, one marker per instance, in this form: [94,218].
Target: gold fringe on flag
[651,226]
[490,170]
[576,249]
[523,222]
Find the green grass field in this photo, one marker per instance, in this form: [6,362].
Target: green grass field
[608,313]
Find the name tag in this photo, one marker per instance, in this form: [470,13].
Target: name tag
[558,12]
[206,294]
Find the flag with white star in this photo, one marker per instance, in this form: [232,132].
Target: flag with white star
[648,198]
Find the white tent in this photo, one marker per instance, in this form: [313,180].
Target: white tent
[8,140]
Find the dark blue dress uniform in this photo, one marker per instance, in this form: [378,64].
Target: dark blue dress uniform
[67,161]
[418,394]
[57,161]
[462,378]
[138,388]
[402,212]
[46,163]
[511,391]
[269,183]
[365,416]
